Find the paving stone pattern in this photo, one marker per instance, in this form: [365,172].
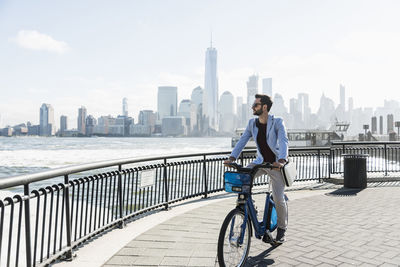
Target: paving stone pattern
[343,228]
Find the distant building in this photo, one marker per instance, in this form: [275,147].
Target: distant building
[326,112]
[174,126]
[147,118]
[90,124]
[140,130]
[227,117]
[278,106]
[390,123]
[167,101]
[252,90]
[125,107]
[343,97]
[239,112]
[20,129]
[210,97]
[197,99]
[380,125]
[7,131]
[120,126]
[47,126]
[103,124]
[82,120]
[63,123]
[188,110]
[267,86]
[34,130]
[374,125]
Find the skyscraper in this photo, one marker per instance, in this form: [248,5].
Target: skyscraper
[197,100]
[197,96]
[63,123]
[239,110]
[252,89]
[82,120]
[227,120]
[125,107]
[167,101]
[374,125]
[227,103]
[343,97]
[90,124]
[47,126]
[267,87]
[390,123]
[210,103]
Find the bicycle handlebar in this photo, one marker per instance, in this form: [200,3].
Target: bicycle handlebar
[253,170]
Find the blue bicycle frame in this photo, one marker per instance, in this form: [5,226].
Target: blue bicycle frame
[260,227]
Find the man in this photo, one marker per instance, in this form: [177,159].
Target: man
[272,146]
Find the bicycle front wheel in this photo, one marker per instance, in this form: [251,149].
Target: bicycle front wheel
[230,252]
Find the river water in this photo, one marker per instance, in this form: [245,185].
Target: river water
[22,155]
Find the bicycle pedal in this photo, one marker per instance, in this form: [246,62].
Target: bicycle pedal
[267,239]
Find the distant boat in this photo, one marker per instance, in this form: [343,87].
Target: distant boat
[305,137]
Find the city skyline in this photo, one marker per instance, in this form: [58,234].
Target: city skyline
[353,43]
[296,113]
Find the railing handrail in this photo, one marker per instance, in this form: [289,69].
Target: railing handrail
[43,175]
[366,143]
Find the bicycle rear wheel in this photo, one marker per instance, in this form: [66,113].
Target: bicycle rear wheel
[230,252]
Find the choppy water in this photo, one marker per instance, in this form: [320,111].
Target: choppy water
[21,155]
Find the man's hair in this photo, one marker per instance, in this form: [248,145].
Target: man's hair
[265,100]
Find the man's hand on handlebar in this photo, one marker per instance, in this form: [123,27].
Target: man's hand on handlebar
[277,165]
[229,161]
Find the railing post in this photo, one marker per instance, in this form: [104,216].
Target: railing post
[330,162]
[205,176]
[68,255]
[386,161]
[27,227]
[319,165]
[121,215]
[165,184]
[241,158]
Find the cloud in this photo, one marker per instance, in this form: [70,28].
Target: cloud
[34,40]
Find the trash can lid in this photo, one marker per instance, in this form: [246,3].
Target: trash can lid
[355,155]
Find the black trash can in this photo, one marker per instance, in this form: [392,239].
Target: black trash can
[355,170]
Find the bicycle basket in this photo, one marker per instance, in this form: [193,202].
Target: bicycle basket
[235,182]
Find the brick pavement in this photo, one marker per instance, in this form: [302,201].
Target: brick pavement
[333,228]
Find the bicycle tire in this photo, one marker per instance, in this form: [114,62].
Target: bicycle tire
[228,248]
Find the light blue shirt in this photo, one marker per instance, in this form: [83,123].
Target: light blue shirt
[276,139]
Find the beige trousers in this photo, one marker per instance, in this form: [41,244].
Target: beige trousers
[278,188]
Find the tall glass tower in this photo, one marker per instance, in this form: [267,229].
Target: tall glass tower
[210,103]
[167,101]
[47,126]
[125,107]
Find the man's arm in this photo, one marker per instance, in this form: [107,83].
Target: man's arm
[283,142]
[240,144]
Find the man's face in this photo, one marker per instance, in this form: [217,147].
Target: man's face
[257,107]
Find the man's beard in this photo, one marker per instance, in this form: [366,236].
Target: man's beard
[257,112]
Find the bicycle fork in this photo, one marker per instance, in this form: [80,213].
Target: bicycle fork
[238,241]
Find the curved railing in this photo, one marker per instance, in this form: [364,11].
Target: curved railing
[45,223]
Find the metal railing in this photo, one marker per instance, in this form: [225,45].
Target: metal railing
[384,157]
[46,223]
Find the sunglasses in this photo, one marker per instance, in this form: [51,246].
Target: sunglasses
[255,105]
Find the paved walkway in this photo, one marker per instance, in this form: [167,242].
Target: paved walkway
[333,227]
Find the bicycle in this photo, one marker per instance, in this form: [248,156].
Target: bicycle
[236,231]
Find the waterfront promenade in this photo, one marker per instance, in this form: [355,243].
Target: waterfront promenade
[328,226]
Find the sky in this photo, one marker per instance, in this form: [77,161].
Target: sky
[93,53]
